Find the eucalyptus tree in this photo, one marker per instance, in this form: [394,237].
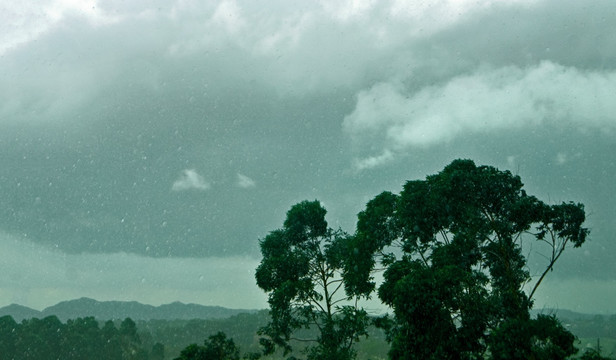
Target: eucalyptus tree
[455,275]
[301,272]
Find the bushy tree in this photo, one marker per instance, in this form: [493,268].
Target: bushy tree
[301,272]
[83,339]
[454,271]
[216,347]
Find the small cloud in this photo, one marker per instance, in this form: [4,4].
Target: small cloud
[190,179]
[561,158]
[373,161]
[511,160]
[244,181]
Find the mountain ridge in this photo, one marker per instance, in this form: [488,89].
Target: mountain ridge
[177,310]
[110,310]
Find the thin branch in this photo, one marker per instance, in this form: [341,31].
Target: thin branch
[303,340]
[315,302]
[445,237]
[555,255]
[421,254]
[338,301]
[336,290]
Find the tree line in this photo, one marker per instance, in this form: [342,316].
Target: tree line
[81,338]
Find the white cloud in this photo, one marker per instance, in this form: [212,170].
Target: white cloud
[483,102]
[245,182]
[347,10]
[24,21]
[190,179]
[374,161]
[228,14]
[312,47]
[38,276]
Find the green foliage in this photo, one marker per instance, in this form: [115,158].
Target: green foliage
[158,352]
[451,247]
[216,347]
[592,354]
[80,338]
[178,334]
[301,272]
[543,338]
[8,337]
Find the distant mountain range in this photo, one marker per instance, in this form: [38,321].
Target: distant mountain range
[106,310]
[111,310]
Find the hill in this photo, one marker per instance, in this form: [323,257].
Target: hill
[109,310]
[19,312]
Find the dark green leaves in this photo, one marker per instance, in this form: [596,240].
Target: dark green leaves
[216,347]
[305,221]
[301,272]
[451,247]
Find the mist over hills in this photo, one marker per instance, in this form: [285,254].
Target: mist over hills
[105,310]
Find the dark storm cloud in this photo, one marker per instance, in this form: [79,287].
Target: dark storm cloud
[188,129]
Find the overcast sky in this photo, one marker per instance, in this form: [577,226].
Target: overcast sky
[146,146]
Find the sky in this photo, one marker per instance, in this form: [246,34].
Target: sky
[147,146]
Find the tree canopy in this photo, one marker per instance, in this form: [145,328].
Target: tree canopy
[301,272]
[216,347]
[79,338]
[454,274]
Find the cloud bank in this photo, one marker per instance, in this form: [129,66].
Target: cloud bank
[103,104]
[482,103]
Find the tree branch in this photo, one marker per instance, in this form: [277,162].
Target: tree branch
[555,255]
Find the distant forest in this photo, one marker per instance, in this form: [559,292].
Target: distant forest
[87,338]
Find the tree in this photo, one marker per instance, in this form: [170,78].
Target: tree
[39,338]
[8,337]
[130,341]
[83,339]
[158,352]
[454,272]
[592,354]
[112,347]
[216,347]
[301,272]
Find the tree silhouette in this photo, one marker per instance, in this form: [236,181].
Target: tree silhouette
[454,272]
[216,347]
[301,272]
